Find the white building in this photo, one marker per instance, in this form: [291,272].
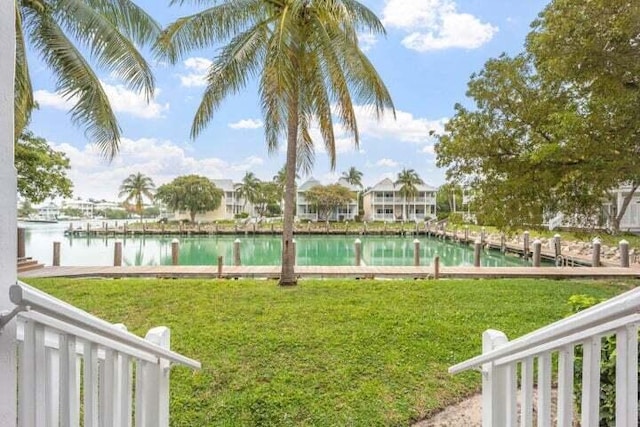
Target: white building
[384,202]
[86,208]
[48,212]
[307,211]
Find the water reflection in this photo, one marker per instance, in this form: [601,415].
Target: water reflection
[258,250]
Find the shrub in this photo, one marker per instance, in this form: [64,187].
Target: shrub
[607,368]
[241,215]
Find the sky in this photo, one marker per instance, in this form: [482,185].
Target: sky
[431,49]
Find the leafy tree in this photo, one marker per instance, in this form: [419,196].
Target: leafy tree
[135,188]
[248,188]
[408,180]
[109,31]
[306,57]
[449,198]
[353,176]
[191,193]
[267,195]
[116,214]
[72,212]
[42,171]
[556,127]
[326,198]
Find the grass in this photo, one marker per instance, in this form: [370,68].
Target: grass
[325,353]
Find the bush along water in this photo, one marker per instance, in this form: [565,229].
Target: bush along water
[607,368]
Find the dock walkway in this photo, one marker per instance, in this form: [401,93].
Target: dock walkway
[364,272]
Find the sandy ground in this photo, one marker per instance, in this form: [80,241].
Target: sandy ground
[467,413]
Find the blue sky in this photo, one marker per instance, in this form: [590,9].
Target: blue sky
[431,49]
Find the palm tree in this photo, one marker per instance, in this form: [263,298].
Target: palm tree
[248,189]
[135,187]
[306,57]
[408,179]
[353,176]
[109,31]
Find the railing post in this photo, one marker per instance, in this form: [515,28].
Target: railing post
[156,384]
[494,382]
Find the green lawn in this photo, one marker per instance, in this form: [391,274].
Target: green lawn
[325,353]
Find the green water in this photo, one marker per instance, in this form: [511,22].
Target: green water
[258,250]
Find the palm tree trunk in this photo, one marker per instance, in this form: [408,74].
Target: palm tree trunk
[287,276]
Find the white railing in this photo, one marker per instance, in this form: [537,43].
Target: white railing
[501,359]
[73,365]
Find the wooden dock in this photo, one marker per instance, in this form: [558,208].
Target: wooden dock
[366,272]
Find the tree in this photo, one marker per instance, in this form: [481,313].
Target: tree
[248,188]
[448,198]
[26,209]
[306,57]
[267,195]
[191,193]
[326,198]
[556,127]
[42,171]
[408,179]
[135,188]
[109,31]
[353,176]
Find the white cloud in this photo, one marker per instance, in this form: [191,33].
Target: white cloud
[161,160]
[387,163]
[436,25]
[246,124]
[122,100]
[367,41]
[405,127]
[50,99]
[429,149]
[197,69]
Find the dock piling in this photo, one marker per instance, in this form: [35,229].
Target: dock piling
[436,267]
[477,248]
[236,253]
[117,254]
[416,253]
[624,253]
[525,239]
[56,254]
[595,256]
[220,263]
[537,252]
[358,251]
[21,242]
[175,251]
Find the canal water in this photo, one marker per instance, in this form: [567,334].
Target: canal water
[255,250]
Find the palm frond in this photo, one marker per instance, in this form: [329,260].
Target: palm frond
[129,18]
[208,27]
[24,102]
[112,50]
[230,72]
[75,81]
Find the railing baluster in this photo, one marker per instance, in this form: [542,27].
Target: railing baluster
[512,394]
[68,385]
[544,390]
[632,375]
[40,395]
[90,385]
[52,401]
[140,396]
[124,391]
[107,389]
[591,382]
[622,373]
[526,412]
[565,386]
[27,366]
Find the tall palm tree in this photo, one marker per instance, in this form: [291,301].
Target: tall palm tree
[109,31]
[353,176]
[248,189]
[306,57]
[135,188]
[408,179]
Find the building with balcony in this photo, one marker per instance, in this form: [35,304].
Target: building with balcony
[307,211]
[385,202]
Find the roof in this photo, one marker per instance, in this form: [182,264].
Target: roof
[308,184]
[348,185]
[387,185]
[224,184]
